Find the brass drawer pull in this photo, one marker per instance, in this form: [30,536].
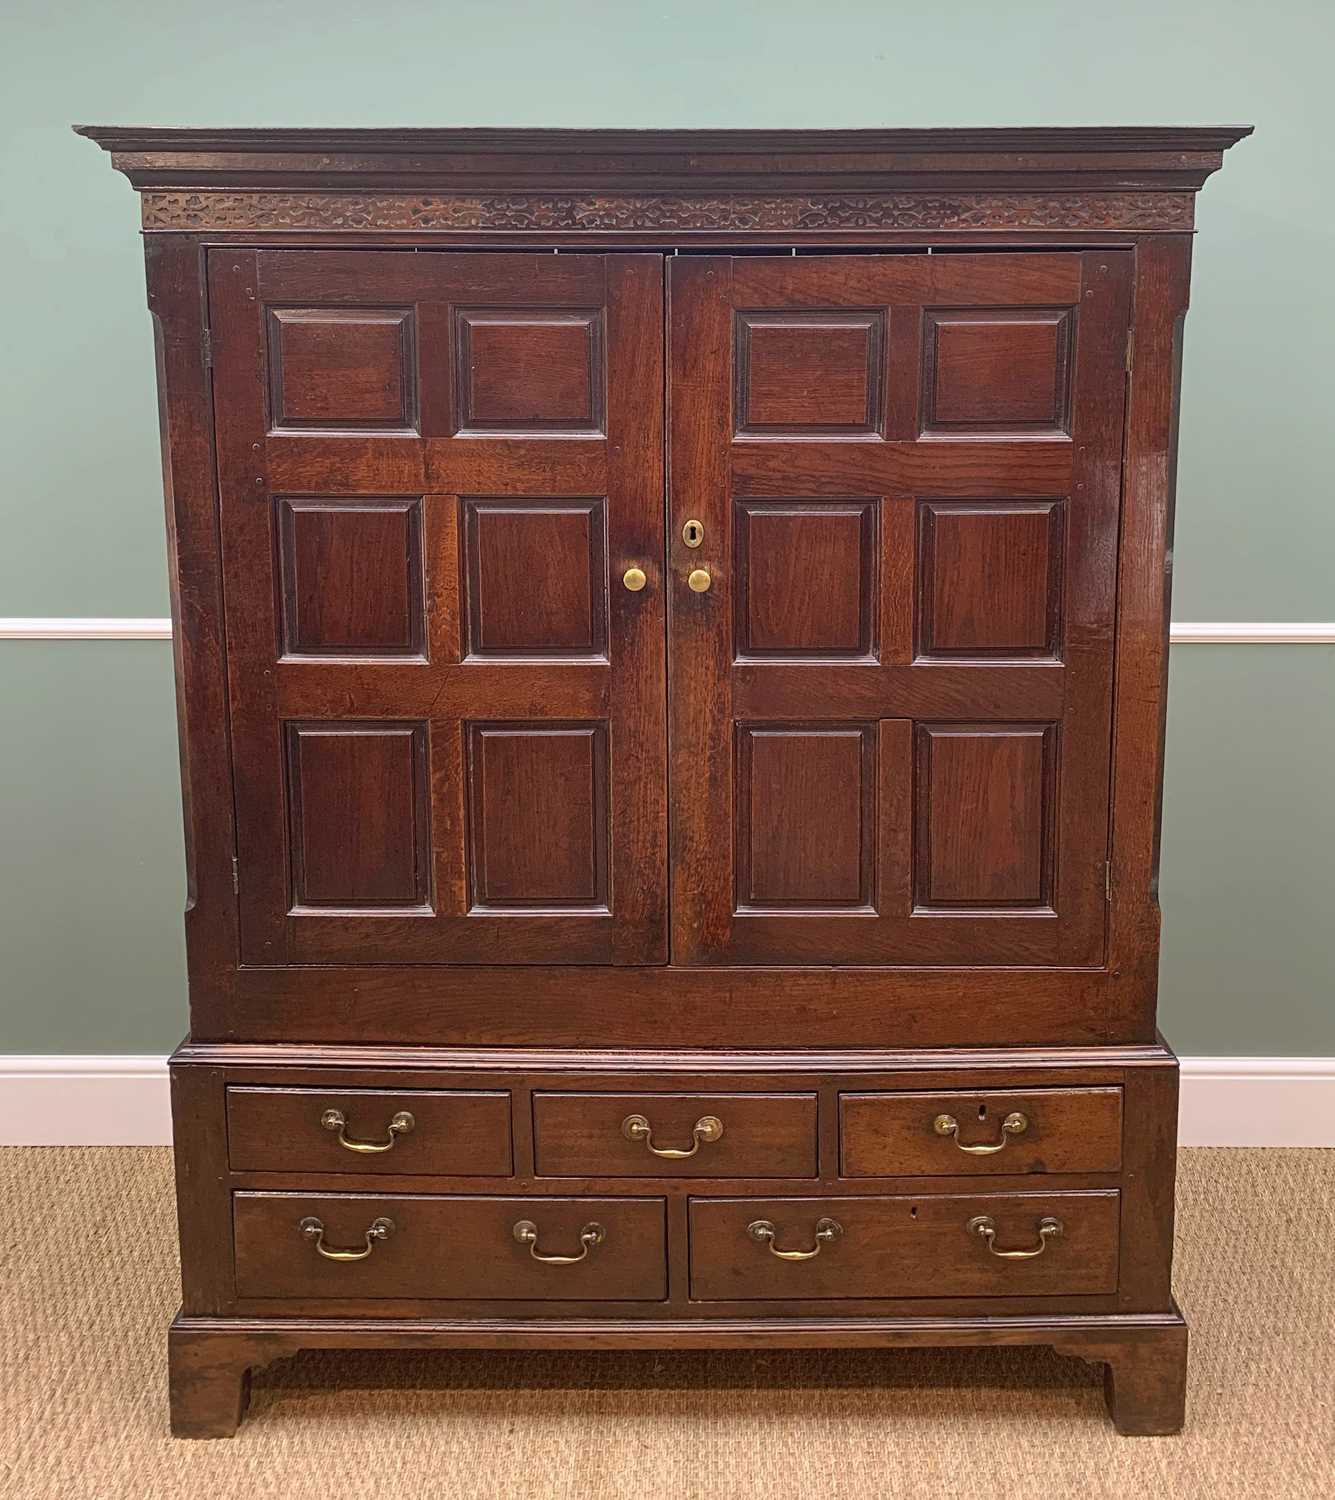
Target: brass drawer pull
[526,1232]
[984,1226]
[313,1229]
[1014,1124]
[335,1119]
[827,1231]
[706,1128]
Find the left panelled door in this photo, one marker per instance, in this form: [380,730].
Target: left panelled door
[447,710]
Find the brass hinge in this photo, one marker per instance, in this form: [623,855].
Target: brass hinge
[206,346]
[236,877]
[1107,880]
[1130,349]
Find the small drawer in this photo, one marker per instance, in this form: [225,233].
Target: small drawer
[360,1245]
[965,1246]
[980,1130]
[401,1131]
[675,1135]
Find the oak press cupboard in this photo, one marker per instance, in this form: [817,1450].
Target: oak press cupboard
[670,638]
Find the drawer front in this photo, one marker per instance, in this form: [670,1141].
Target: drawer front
[902,1246]
[629,1135]
[605,1249]
[980,1130]
[369,1130]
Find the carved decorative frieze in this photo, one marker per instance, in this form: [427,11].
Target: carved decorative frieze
[654,213]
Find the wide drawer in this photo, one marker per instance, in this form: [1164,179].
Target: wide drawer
[675,1135]
[947,1246]
[400,1131]
[359,1245]
[980,1130]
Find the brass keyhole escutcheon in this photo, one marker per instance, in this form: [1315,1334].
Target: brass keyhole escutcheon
[697,580]
[693,533]
[634,579]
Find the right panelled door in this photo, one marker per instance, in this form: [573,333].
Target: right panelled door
[890,699]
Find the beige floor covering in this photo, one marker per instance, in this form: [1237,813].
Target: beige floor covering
[87,1275]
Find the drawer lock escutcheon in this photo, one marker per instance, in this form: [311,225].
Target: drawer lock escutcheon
[1014,1124]
[335,1119]
[763,1232]
[984,1226]
[706,1128]
[313,1229]
[526,1232]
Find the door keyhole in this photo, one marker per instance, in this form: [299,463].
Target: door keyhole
[693,533]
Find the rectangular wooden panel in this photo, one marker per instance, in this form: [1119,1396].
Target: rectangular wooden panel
[997,370]
[904,1246]
[342,367]
[529,370]
[538,815]
[451,1133]
[805,578]
[985,804]
[989,579]
[535,577]
[448,1247]
[360,816]
[1061,1130]
[729,1135]
[809,372]
[806,806]
[351,576]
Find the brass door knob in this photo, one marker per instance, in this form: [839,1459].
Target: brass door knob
[634,579]
[697,580]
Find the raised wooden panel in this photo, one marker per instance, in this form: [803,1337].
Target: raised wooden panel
[342,367]
[538,824]
[350,576]
[809,372]
[805,578]
[529,370]
[989,578]
[985,814]
[995,370]
[358,814]
[806,811]
[535,577]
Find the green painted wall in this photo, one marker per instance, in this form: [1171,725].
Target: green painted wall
[90,864]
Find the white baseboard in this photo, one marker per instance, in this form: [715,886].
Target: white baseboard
[123,1101]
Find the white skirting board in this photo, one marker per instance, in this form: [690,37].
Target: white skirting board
[122,1101]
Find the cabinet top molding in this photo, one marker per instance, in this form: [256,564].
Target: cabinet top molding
[794,182]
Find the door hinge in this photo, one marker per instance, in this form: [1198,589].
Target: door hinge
[236,877]
[206,346]
[1107,880]
[1130,349]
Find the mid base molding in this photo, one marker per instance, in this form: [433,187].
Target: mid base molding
[1145,1354]
[116,1100]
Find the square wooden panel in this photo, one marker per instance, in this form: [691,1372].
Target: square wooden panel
[350,576]
[805,815]
[985,815]
[358,814]
[997,370]
[538,816]
[535,577]
[815,374]
[805,579]
[990,579]
[529,370]
[343,368]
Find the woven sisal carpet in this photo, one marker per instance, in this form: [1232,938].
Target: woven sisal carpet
[87,1286]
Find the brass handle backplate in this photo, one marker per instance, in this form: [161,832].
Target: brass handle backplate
[526,1232]
[698,580]
[706,1128]
[634,579]
[313,1229]
[334,1119]
[985,1227]
[1014,1124]
[763,1232]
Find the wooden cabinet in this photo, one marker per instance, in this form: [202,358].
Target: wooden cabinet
[671,733]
